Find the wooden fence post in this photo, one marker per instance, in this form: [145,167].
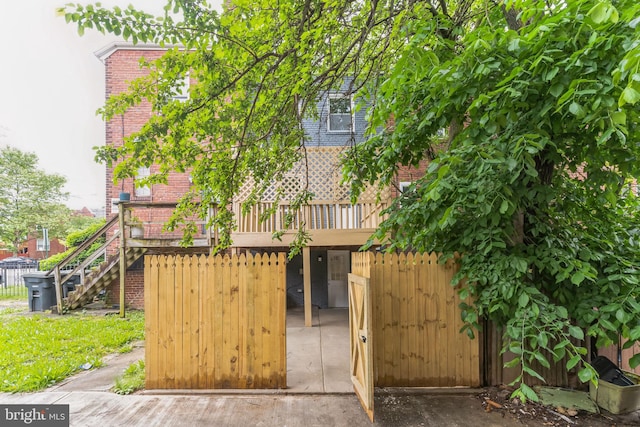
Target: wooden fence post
[123,258]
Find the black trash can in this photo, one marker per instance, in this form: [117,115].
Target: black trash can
[69,285]
[608,371]
[42,292]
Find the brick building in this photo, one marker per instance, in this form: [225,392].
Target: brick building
[336,226]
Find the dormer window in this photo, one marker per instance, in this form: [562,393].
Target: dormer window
[340,114]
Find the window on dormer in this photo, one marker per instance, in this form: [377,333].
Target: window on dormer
[340,114]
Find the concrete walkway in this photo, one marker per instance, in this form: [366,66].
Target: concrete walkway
[319,393]
[318,357]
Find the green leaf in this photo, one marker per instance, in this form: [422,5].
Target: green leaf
[532,373]
[576,109]
[577,278]
[607,325]
[629,96]
[523,300]
[543,339]
[470,333]
[598,13]
[504,206]
[542,360]
[512,363]
[521,265]
[571,363]
[556,90]
[551,74]
[603,12]
[559,354]
[528,392]
[515,348]
[634,362]
[562,312]
[585,374]
[565,97]
[634,334]
[576,332]
[619,118]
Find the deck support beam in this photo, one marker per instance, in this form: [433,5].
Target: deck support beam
[306,272]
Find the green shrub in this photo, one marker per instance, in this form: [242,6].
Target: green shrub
[49,263]
[74,240]
[79,237]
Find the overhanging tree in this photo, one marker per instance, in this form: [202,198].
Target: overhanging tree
[540,99]
[29,197]
[532,187]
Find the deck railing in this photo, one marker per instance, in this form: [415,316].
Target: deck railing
[318,215]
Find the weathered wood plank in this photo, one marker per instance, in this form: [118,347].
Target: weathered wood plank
[169,326]
[281,313]
[151,265]
[182,332]
[263,319]
[228,366]
[191,280]
[218,308]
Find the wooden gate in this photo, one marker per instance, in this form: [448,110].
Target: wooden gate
[361,341]
[215,322]
[416,322]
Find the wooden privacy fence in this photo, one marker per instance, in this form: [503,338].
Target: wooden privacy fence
[416,322]
[215,322]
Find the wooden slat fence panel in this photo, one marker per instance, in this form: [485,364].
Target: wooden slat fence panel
[416,322]
[556,375]
[215,322]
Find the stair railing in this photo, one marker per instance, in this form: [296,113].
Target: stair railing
[81,267]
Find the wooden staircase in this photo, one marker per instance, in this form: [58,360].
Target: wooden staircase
[99,279]
[102,267]
[93,278]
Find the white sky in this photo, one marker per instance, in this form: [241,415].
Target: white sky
[51,85]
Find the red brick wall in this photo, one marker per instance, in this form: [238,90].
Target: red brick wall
[133,290]
[409,174]
[122,67]
[55,247]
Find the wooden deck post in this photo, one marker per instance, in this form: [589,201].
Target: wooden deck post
[306,271]
[123,258]
[58,284]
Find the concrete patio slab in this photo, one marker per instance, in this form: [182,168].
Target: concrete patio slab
[319,393]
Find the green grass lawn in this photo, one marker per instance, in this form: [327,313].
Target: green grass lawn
[9,294]
[131,380]
[37,351]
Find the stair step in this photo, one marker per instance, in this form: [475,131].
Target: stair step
[96,281]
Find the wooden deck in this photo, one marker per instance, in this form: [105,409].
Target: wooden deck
[329,223]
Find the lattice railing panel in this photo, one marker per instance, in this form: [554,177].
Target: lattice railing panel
[320,169]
